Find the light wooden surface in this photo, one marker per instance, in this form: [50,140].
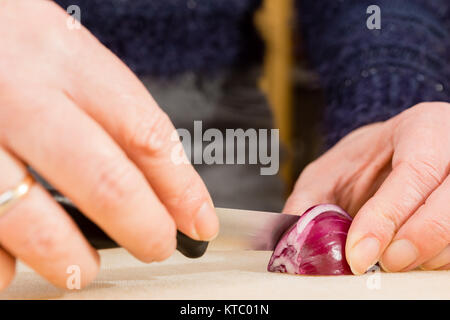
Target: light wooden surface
[227,275]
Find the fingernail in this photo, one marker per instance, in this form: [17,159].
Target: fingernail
[364,255]
[206,222]
[399,255]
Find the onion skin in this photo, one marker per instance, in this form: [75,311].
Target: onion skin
[315,244]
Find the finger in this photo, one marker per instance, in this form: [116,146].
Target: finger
[439,261]
[144,132]
[415,175]
[7,269]
[446,267]
[40,233]
[346,175]
[76,156]
[423,236]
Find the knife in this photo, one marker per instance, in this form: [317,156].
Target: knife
[239,230]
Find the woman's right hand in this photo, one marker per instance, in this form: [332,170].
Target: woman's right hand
[75,113]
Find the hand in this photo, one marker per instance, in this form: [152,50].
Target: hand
[394,178]
[76,114]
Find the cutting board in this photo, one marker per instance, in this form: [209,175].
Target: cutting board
[227,275]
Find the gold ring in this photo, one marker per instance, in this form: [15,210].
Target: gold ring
[9,197]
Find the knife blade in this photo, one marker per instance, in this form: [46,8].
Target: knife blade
[239,230]
[250,230]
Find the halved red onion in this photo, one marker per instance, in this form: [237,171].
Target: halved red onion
[315,244]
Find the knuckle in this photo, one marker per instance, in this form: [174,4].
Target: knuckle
[151,133]
[114,182]
[432,174]
[388,217]
[44,241]
[426,176]
[391,220]
[190,197]
[440,228]
[162,244]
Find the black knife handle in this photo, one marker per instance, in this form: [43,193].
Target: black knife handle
[99,240]
[189,247]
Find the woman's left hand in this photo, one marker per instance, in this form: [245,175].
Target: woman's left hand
[393,177]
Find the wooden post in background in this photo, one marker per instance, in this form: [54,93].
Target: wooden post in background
[274,21]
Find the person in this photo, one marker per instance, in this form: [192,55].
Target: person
[63,100]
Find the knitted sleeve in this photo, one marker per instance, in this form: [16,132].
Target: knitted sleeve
[169,37]
[372,75]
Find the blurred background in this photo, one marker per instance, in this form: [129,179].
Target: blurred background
[311,68]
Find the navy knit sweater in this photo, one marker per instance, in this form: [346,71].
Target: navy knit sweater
[368,75]
[372,75]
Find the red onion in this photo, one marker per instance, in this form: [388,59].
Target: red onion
[315,244]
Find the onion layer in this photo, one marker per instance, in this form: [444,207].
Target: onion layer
[315,244]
